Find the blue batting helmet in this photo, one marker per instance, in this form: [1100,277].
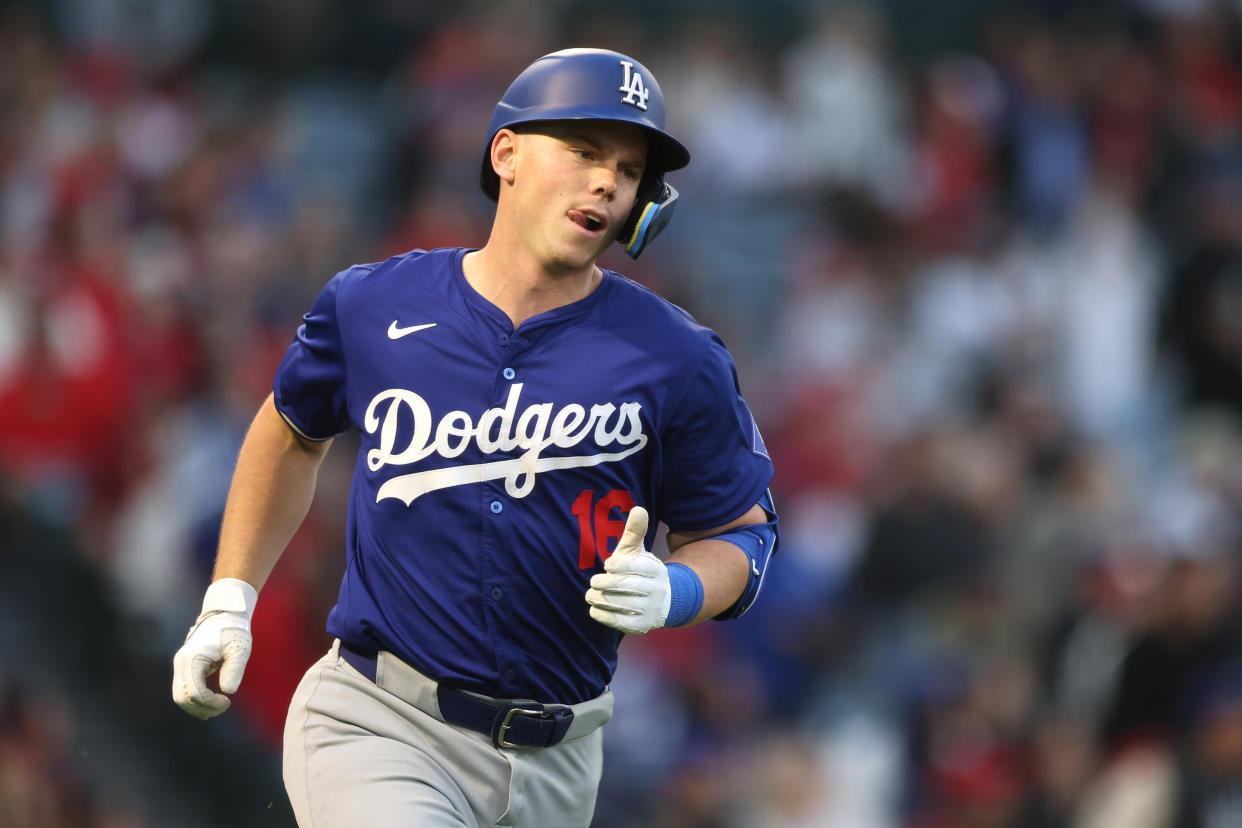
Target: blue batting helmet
[597,85]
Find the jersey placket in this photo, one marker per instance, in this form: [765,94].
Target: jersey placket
[497,506]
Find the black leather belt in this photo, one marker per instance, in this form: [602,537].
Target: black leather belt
[509,724]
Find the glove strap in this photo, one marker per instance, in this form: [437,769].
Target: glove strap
[686,595]
[230,595]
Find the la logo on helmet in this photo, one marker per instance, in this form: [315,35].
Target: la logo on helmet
[635,92]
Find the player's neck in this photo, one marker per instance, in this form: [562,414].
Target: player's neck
[522,287]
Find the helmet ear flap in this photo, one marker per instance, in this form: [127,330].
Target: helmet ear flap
[649,190]
[653,210]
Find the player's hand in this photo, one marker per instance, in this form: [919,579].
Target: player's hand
[632,594]
[219,640]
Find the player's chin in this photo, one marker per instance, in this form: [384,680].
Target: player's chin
[581,253]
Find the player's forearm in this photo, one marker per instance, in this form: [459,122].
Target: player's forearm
[271,493]
[722,568]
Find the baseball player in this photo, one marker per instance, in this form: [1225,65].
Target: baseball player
[526,418]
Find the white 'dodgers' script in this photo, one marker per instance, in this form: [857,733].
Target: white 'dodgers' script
[503,429]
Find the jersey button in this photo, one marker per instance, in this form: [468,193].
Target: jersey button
[510,373]
[497,507]
[497,593]
[510,675]
[504,339]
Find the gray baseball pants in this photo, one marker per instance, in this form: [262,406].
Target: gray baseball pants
[379,754]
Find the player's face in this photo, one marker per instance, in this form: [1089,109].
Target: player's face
[575,185]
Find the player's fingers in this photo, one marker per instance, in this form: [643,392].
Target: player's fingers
[611,581]
[612,619]
[235,652]
[622,585]
[610,603]
[643,564]
[627,624]
[620,593]
[214,706]
[183,682]
[201,666]
[197,698]
[605,617]
[218,705]
[631,542]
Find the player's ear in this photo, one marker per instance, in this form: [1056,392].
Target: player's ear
[503,150]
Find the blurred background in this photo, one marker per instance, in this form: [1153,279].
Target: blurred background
[980,264]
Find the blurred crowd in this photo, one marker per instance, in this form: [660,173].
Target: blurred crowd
[982,276]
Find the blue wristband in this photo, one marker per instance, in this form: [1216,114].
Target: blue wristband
[685,593]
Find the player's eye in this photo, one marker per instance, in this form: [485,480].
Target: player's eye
[585,154]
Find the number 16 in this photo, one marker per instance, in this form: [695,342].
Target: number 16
[595,543]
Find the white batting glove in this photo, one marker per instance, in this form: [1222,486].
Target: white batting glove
[632,594]
[219,640]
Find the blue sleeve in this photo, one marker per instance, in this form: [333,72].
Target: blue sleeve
[715,465]
[309,387]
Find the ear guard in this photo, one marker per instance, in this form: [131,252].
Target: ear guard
[648,220]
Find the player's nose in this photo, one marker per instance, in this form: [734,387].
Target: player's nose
[604,181]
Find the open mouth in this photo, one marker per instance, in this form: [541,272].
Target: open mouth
[593,223]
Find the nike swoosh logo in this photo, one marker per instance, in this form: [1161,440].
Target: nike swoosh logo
[395,331]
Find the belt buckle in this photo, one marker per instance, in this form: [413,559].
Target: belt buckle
[507,721]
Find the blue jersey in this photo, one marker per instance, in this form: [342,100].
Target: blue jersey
[497,465]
